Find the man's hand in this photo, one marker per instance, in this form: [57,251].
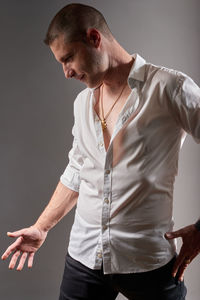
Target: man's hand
[189,250]
[29,240]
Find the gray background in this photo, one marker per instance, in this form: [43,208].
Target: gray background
[36,117]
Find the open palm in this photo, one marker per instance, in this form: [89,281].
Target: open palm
[29,240]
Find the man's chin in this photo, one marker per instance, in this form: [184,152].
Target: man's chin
[92,84]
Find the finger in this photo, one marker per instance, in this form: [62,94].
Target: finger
[173,234]
[182,270]
[11,248]
[30,260]
[16,233]
[22,261]
[175,268]
[178,262]
[184,265]
[14,259]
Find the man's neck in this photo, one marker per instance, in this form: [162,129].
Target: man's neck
[120,63]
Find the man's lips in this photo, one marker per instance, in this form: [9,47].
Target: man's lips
[80,77]
[75,76]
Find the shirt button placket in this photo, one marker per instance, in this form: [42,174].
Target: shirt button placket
[99,254]
[106,200]
[106,218]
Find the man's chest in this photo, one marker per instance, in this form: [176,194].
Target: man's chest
[109,115]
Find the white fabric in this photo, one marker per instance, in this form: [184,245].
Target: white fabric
[125,194]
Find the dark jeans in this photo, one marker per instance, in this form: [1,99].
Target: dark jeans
[82,283]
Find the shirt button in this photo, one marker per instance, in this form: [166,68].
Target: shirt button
[106,200]
[99,255]
[105,227]
[101,144]
[107,171]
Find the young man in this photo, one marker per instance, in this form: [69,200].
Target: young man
[130,123]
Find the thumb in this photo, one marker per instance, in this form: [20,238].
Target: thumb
[172,234]
[16,233]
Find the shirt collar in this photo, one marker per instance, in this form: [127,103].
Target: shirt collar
[137,71]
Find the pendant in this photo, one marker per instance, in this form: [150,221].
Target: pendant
[103,124]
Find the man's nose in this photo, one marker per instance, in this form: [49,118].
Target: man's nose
[69,73]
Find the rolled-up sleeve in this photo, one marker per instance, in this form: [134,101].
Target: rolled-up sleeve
[186,106]
[71,175]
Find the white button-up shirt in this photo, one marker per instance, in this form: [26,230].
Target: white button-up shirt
[125,198]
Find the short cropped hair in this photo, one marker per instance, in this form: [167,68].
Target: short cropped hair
[73,20]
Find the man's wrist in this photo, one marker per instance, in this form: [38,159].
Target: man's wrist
[41,227]
[197,225]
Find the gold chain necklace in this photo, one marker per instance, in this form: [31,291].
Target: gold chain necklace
[103,119]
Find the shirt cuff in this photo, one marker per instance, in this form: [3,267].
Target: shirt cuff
[70,179]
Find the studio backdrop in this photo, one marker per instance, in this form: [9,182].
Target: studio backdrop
[36,118]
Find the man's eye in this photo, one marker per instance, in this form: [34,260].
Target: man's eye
[68,59]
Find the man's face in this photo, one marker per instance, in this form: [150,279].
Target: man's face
[81,61]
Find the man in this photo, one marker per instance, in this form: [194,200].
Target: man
[130,123]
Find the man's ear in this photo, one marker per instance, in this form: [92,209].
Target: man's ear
[94,37]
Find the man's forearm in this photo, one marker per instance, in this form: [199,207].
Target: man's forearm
[62,201]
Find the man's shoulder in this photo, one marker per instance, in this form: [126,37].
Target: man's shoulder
[167,76]
[163,71]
